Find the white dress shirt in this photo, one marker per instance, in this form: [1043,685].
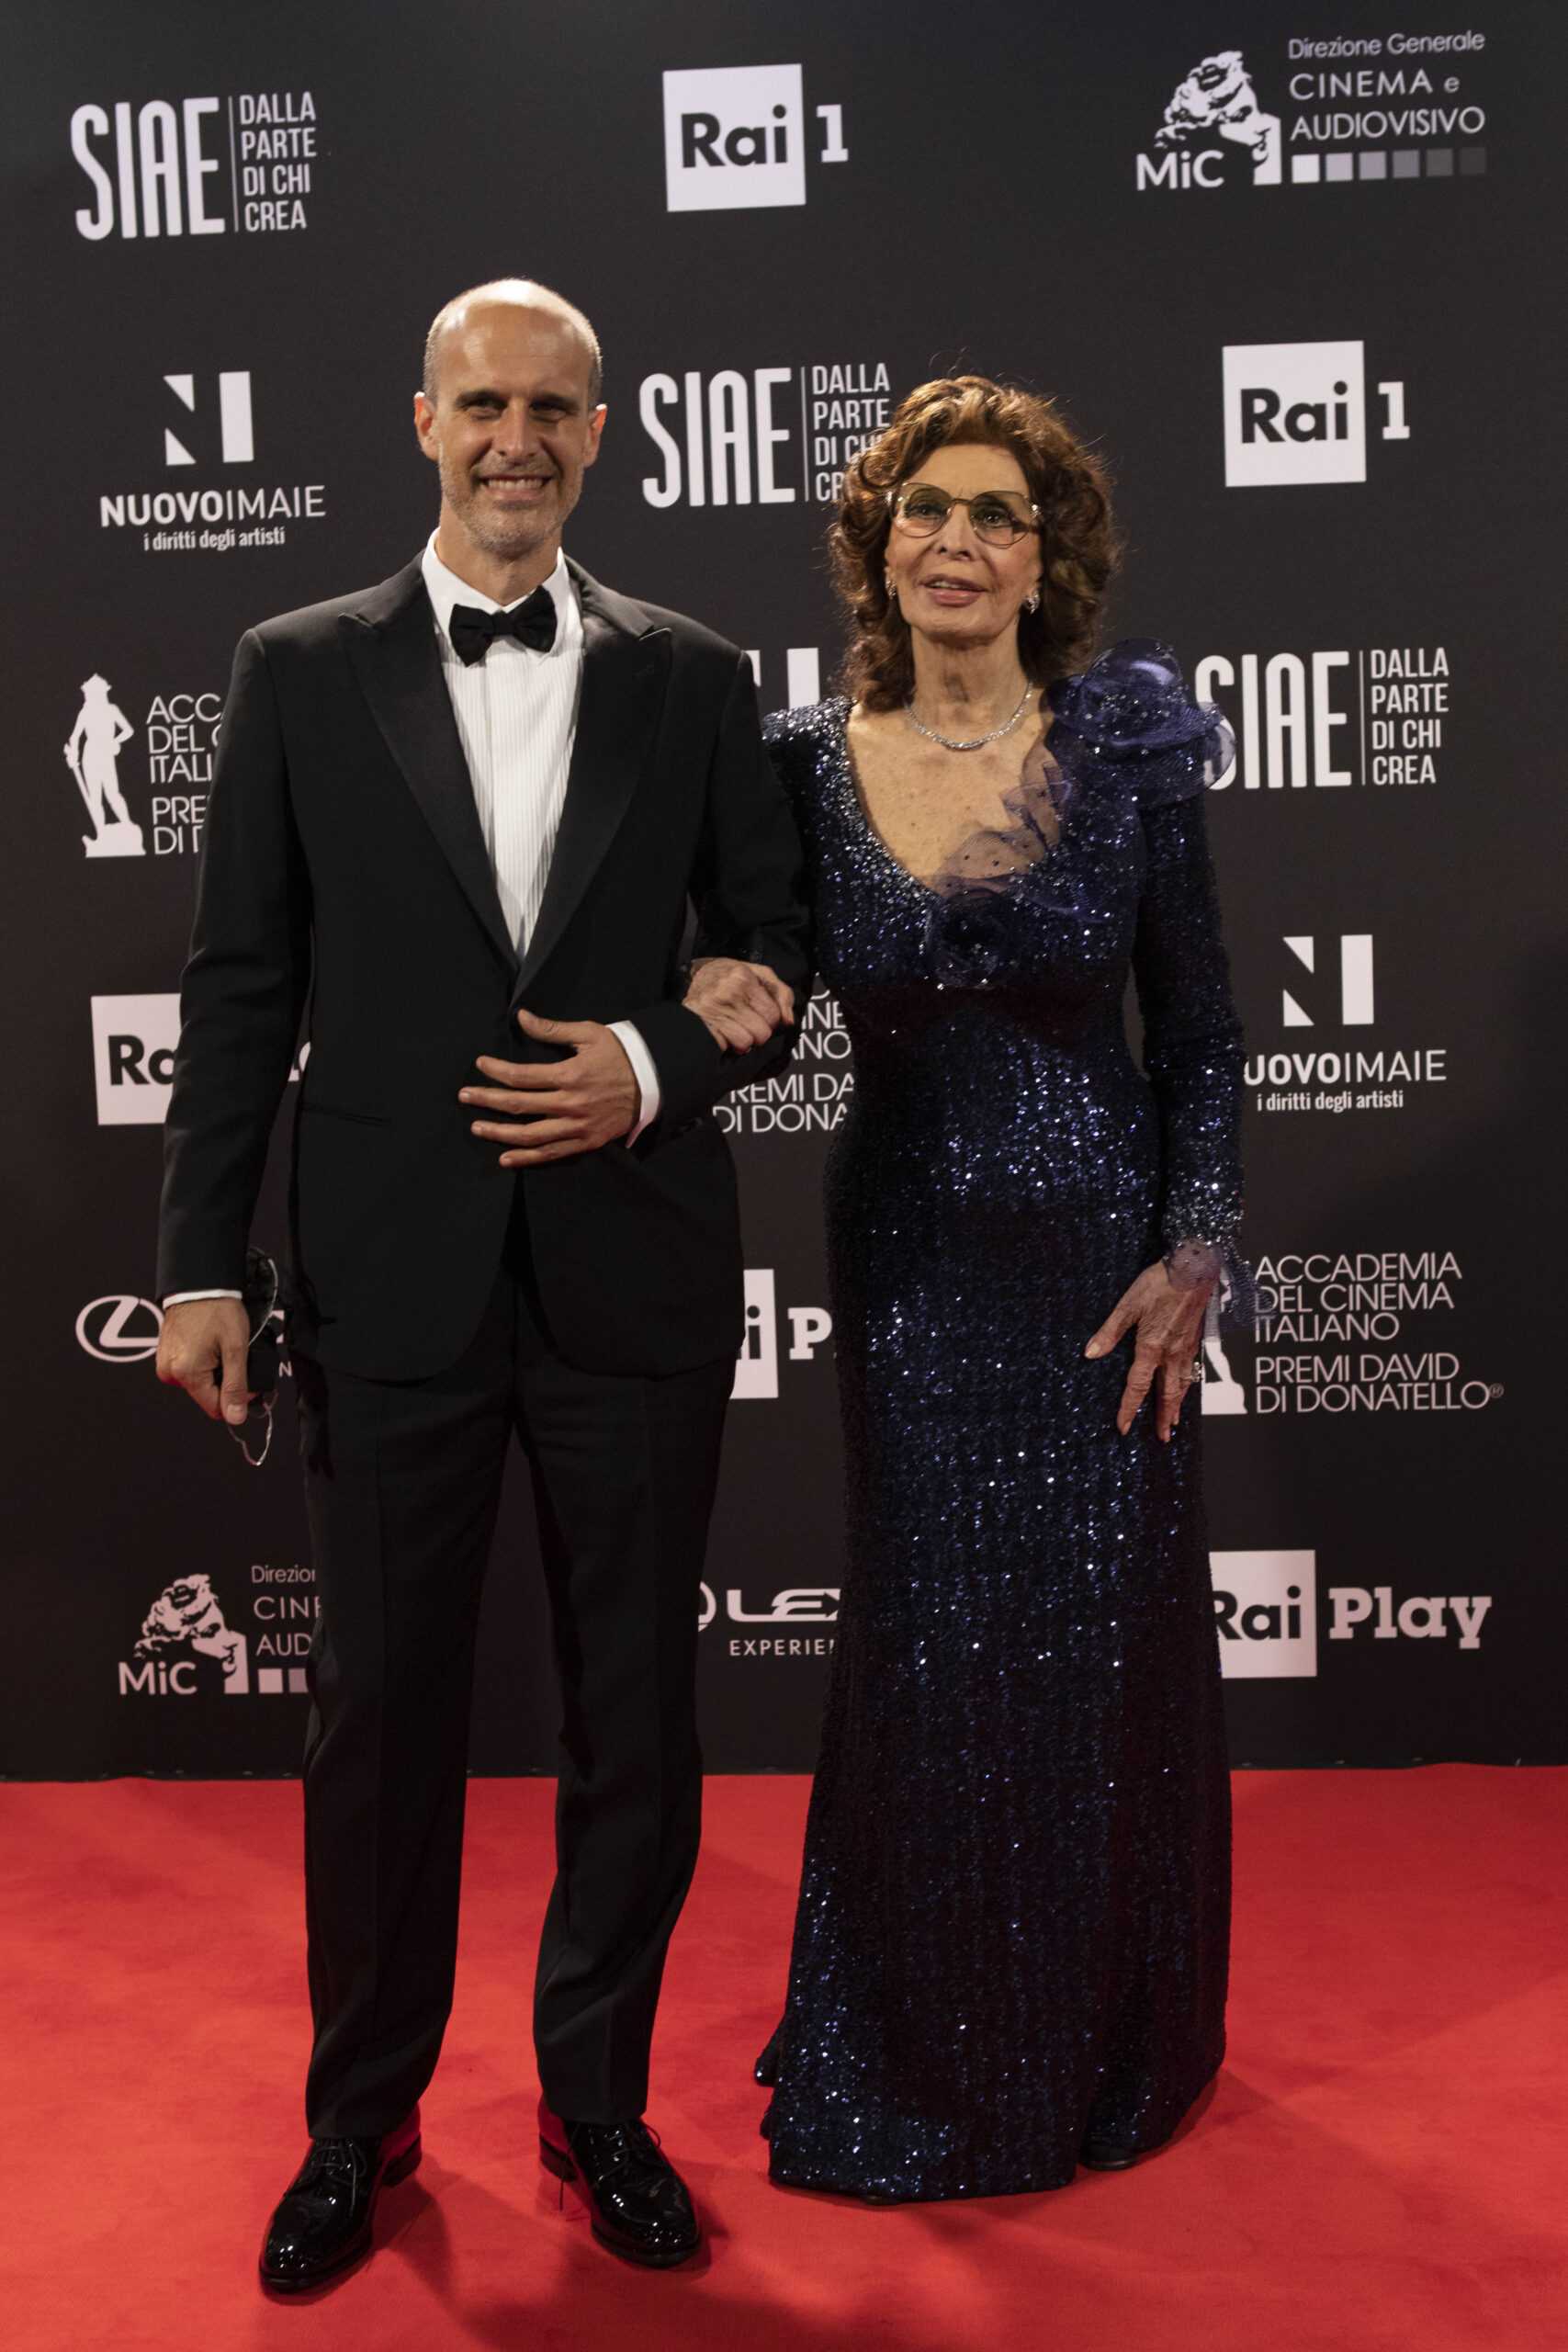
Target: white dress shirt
[516,713]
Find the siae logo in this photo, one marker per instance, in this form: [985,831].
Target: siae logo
[1278,726]
[1397,698]
[1216,102]
[1296,413]
[1265,1610]
[705,437]
[185,1647]
[159,178]
[717,438]
[735,136]
[134,1042]
[152,139]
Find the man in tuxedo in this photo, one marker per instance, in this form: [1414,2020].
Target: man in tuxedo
[456,828]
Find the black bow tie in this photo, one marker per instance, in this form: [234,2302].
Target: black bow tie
[532,622]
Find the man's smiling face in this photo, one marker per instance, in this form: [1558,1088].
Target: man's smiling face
[511,424]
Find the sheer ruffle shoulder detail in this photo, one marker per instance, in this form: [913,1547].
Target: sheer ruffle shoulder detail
[995,856]
[1131,708]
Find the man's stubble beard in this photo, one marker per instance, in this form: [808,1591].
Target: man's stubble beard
[509,537]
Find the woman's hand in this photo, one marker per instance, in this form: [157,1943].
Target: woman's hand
[742,1004]
[1170,1329]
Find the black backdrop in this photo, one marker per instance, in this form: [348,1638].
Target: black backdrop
[1293,282]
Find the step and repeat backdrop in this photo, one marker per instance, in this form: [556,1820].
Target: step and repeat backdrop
[1289,267]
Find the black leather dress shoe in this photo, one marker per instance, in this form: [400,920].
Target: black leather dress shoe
[641,2207]
[323,2223]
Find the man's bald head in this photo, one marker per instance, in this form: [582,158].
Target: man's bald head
[525,295]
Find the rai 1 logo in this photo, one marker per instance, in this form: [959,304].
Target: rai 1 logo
[1296,413]
[735,138]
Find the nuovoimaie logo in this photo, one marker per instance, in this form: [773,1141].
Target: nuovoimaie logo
[186,1647]
[226,512]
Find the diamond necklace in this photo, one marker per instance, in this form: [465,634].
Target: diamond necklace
[947,741]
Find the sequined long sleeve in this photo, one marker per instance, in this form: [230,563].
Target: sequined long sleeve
[1192,1040]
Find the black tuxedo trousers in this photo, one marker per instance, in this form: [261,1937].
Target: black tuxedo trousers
[402,1485]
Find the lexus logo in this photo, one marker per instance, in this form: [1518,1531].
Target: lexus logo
[119,1330]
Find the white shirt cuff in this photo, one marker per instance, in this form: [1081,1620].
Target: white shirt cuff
[643,1070]
[184,1297]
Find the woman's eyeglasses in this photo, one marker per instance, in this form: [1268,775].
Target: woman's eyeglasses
[998,517]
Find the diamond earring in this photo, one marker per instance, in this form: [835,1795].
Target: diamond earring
[1031,601]
[891,587]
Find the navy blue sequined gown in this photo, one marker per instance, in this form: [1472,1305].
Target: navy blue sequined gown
[1014,1915]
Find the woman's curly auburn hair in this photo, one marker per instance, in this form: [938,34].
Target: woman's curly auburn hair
[1068,485]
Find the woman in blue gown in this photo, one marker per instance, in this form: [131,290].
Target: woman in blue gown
[1011,1945]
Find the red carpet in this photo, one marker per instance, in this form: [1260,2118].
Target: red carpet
[1380,2165]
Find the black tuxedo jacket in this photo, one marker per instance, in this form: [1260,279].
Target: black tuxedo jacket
[343,870]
